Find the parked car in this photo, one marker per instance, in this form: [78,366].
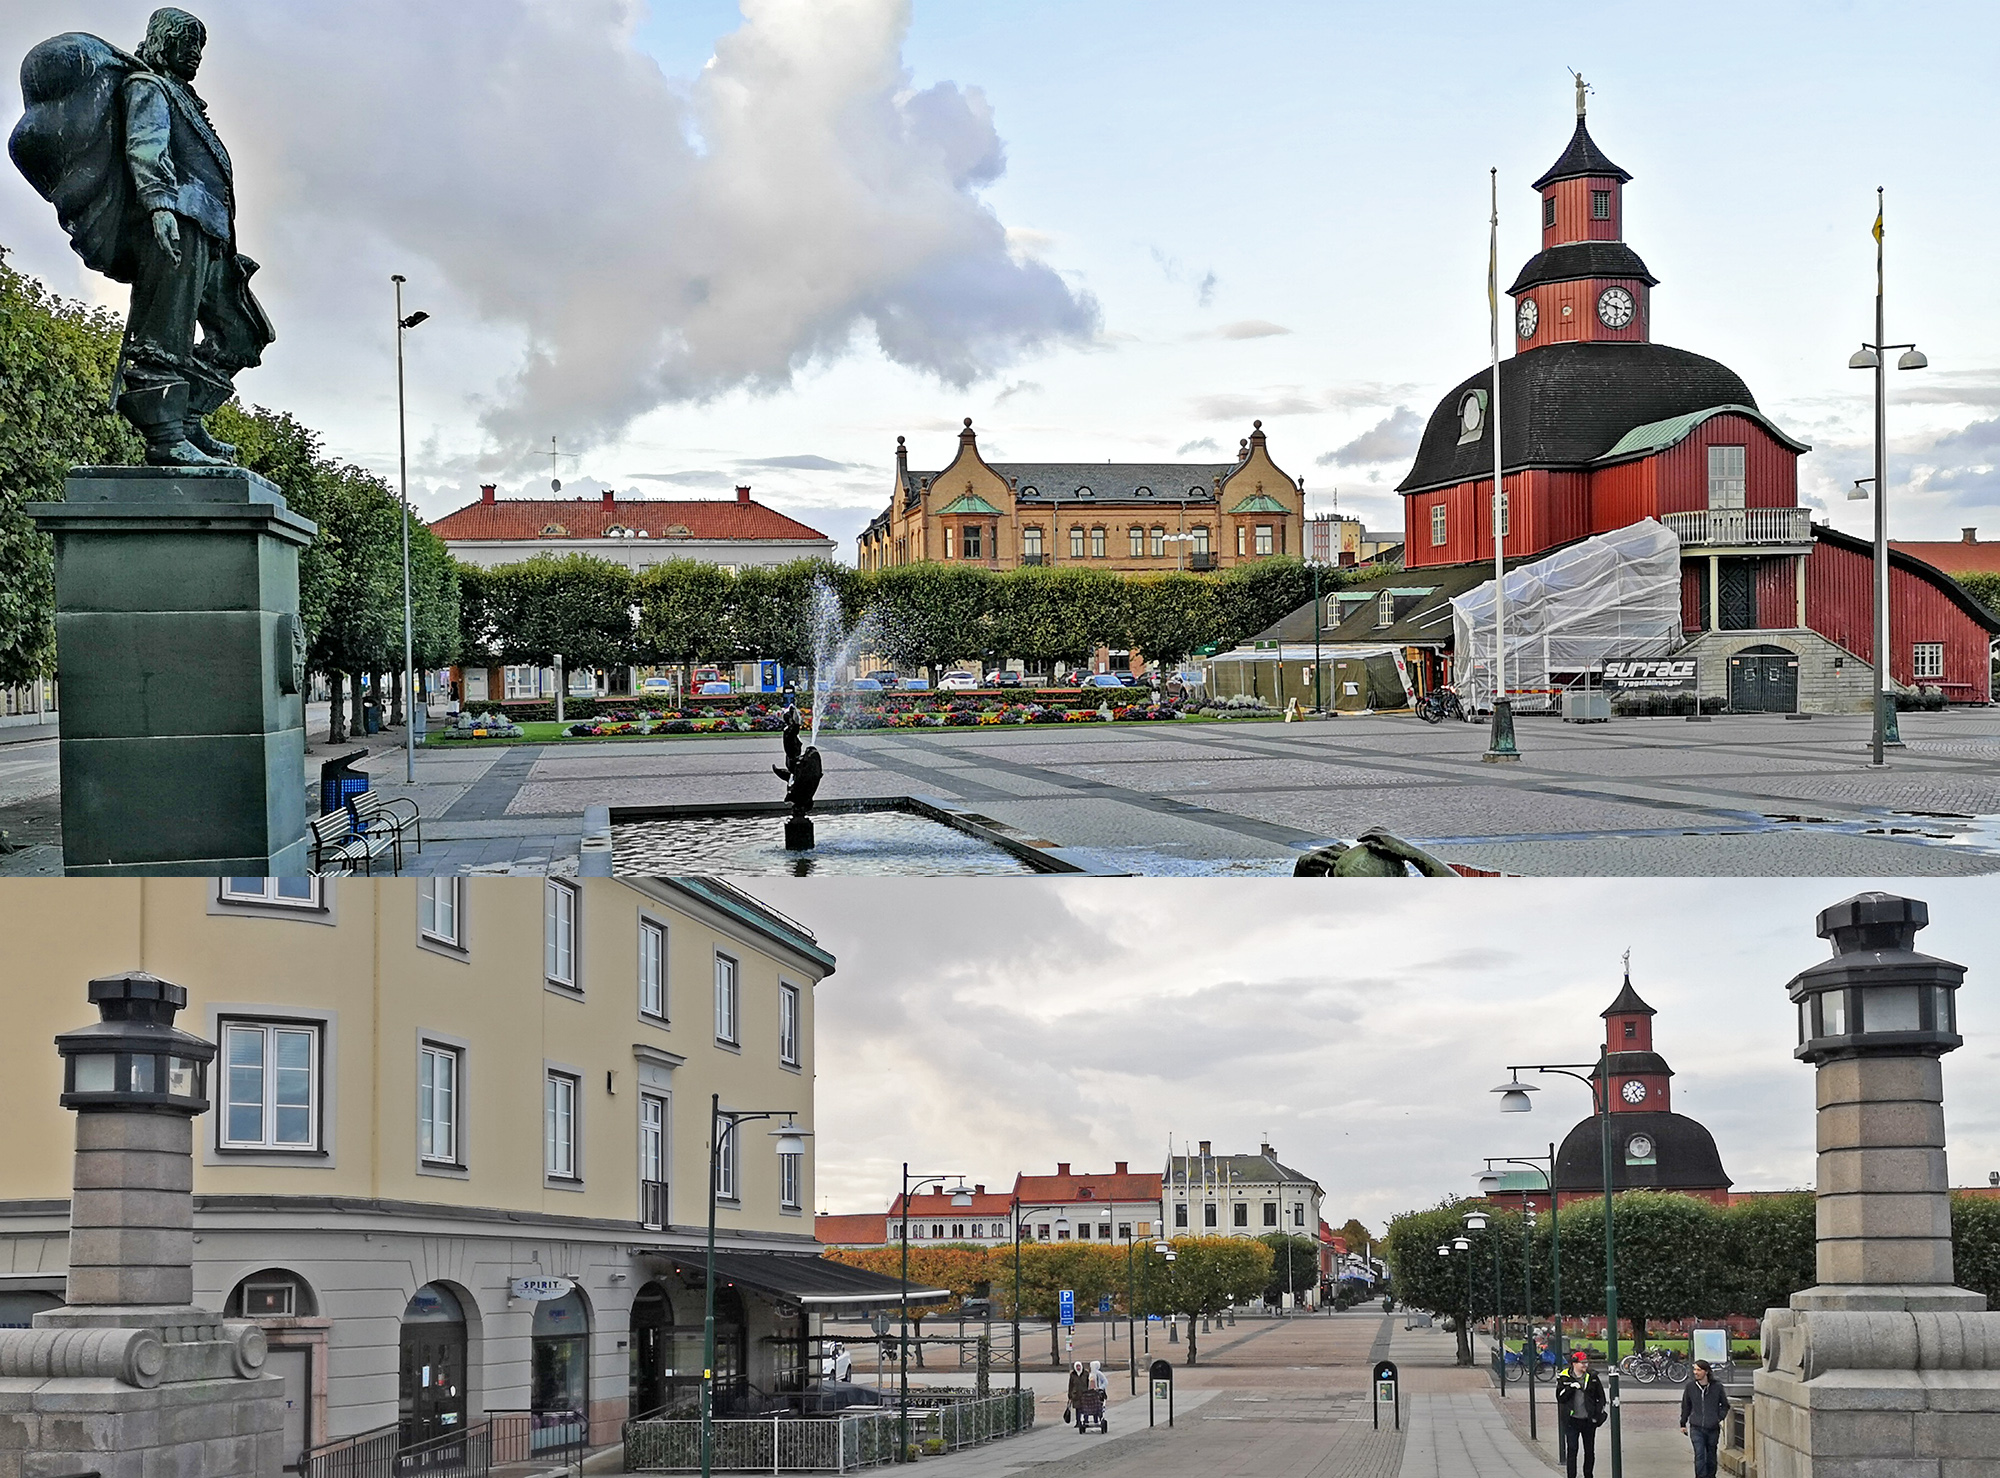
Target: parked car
[914,685]
[886,676]
[656,685]
[1106,680]
[958,681]
[714,690]
[866,685]
[1005,677]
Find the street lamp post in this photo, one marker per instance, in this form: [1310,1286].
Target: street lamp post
[1445,1250]
[790,1140]
[1062,1225]
[1131,1313]
[960,1196]
[1871,357]
[1514,1100]
[403,325]
[1490,1182]
[1476,1221]
[1319,694]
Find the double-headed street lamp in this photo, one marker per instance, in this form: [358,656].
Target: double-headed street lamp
[1445,1250]
[1871,357]
[1489,1182]
[790,1140]
[1062,1225]
[960,1196]
[1596,1076]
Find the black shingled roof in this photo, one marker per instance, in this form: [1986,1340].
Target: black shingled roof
[1564,405]
[1575,259]
[1627,1004]
[1684,1152]
[1582,157]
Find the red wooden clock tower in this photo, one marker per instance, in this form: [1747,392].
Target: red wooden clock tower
[1585,285]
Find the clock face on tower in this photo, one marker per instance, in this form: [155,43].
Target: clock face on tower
[1634,1091]
[1615,307]
[1526,316]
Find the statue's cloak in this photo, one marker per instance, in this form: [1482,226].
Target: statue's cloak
[69,145]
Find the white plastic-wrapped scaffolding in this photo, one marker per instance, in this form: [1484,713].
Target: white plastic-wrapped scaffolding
[1616,594]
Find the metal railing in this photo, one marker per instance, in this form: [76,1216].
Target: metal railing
[830,1444]
[498,1438]
[653,1204]
[1741,526]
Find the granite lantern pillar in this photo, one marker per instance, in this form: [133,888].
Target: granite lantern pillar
[181,658]
[129,1379]
[1884,1368]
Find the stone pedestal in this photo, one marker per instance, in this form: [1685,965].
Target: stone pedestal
[181,656]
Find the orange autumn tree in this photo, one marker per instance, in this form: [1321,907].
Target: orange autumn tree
[954,1265]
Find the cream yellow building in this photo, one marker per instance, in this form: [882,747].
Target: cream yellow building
[457,1159]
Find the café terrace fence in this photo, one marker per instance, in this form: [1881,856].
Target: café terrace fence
[837,1443]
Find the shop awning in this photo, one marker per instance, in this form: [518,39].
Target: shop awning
[813,1283]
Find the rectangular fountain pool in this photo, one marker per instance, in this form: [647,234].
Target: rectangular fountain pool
[895,836]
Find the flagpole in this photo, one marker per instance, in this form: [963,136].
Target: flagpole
[1500,744]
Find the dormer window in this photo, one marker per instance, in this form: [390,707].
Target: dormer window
[1548,211]
[1600,205]
[1385,609]
[1083,492]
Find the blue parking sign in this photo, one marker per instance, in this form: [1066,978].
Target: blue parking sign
[1103,1303]
[1068,1306]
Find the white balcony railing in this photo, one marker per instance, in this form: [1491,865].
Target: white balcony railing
[1742,526]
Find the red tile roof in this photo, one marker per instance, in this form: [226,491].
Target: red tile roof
[871,1229]
[1955,556]
[937,1204]
[1056,1190]
[588,518]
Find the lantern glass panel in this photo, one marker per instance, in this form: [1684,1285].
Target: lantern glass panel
[1943,1018]
[1805,1022]
[140,1078]
[1833,1013]
[96,1072]
[1890,1008]
[183,1078]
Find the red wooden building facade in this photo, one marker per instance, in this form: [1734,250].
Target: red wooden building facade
[1600,428]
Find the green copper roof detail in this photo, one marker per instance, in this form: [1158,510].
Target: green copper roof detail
[1260,503]
[968,503]
[1656,436]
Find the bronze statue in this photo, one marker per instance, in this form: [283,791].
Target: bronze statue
[121,144]
[1376,854]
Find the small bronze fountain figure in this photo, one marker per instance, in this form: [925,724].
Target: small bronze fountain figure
[802,770]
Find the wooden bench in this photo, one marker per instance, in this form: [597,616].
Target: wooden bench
[338,849]
[374,812]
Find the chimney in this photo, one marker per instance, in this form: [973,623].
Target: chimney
[979,1190]
[1062,1167]
[1121,1169]
[1971,536]
[902,461]
[608,495]
[1267,1151]
[486,493]
[742,494]
[1204,1147]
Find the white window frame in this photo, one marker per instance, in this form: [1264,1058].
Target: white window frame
[1157,542]
[1076,541]
[267,1117]
[266,893]
[560,1140]
[728,1000]
[516,686]
[1097,544]
[1266,542]
[653,970]
[1440,524]
[1201,538]
[1242,536]
[559,935]
[790,1019]
[1728,477]
[725,1161]
[430,1057]
[948,532]
[1926,659]
[1136,536]
[791,1177]
[656,1143]
[441,910]
[1385,609]
[1031,541]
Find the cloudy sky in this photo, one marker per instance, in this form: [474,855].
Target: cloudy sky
[982,1027]
[701,242]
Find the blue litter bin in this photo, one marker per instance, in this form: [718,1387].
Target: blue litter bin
[340,782]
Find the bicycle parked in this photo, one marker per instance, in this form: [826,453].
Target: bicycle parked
[1440,704]
[1649,1367]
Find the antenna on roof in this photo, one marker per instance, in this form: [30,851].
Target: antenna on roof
[555,483]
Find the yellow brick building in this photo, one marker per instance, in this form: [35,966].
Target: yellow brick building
[1129,517]
[457,1159]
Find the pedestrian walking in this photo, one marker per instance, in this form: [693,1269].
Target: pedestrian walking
[1582,1408]
[1079,1382]
[1704,1405]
